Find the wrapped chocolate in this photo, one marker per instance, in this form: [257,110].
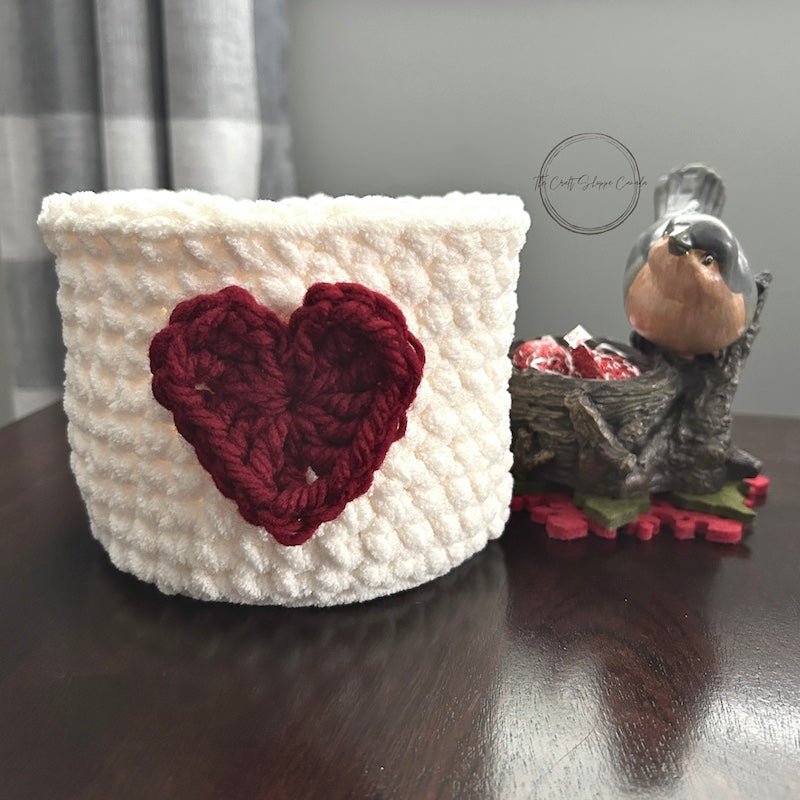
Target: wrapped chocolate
[576,355]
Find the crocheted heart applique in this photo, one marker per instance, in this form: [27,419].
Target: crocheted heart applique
[290,418]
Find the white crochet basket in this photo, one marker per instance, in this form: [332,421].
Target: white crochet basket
[125,260]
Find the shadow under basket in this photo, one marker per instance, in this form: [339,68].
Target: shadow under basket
[667,430]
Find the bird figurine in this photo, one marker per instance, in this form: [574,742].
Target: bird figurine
[688,287]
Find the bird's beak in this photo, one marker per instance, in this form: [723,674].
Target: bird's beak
[679,245]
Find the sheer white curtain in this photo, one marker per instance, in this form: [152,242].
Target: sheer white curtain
[120,94]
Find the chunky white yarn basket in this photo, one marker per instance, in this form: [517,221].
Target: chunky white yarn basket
[126,259]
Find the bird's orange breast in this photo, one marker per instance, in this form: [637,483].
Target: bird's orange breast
[681,305]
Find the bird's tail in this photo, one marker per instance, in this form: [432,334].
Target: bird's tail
[692,188]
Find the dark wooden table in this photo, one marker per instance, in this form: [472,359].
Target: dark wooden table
[537,669]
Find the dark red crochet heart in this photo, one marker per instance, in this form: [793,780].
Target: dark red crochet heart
[290,419]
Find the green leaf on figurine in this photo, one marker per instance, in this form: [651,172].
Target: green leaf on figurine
[727,502]
[531,486]
[611,512]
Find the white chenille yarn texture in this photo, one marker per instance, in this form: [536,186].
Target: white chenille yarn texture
[126,259]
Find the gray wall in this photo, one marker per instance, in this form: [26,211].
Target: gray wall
[427,96]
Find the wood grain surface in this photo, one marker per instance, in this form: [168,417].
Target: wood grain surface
[537,669]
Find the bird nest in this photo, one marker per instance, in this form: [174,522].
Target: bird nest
[669,429]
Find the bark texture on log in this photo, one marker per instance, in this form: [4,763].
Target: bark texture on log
[667,430]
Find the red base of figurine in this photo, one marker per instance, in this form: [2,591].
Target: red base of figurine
[562,519]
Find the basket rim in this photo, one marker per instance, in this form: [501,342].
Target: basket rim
[160,213]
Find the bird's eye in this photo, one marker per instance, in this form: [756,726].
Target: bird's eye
[708,259]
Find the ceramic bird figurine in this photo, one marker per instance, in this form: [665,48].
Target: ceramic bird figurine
[688,287]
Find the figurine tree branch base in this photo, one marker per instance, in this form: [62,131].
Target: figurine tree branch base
[667,430]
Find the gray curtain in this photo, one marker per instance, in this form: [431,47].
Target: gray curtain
[121,94]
